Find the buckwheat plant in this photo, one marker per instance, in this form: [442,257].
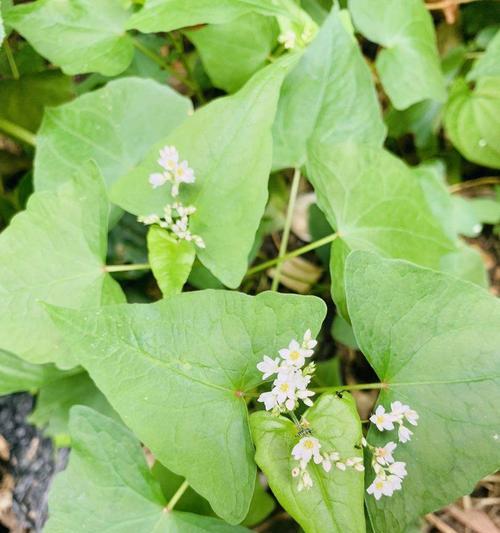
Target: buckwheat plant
[289,387]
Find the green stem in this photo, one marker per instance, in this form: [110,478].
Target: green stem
[294,418]
[10,59]
[127,268]
[177,496]
[179,46]
[295,253]
[288,224]
[357,386]
[17,131]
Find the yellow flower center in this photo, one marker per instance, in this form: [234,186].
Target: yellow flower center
[294,356]
[379,485]
[284,387]
[309,444]
[380,419]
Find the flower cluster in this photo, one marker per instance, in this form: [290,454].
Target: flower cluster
[398,415]
[292,379]
[175,216]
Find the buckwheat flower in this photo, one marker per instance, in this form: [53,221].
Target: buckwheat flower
[169,157]
[335,456]
[184,210]
[157,179]
[295,355]
[383,455]
[381,486]
[308,342]
[356,463]
[184,174]
[307,448]
[395,482]
[268,366]
[326,463]
[149,219]
[288,39]
[404,434]
[382,419]
[284,389]
[295,472]
[340,466]
[398,469]
[305,481]
[269,400]
[305,396]
[411,416]
[198,241]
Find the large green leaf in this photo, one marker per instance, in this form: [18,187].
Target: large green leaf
[2,30]
[167,15]
[471,120]
[335,502]
[228,144]
[108,486]
[24,100]
[77,35]
[188,361]
[375,202]
[170,259]
[408,66]
[115,126]
[329,97]
[434,340]
[53,252]
[489,63]
[231,53]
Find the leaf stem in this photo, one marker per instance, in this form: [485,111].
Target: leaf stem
[17,131]
[295,253]
[127,268]
[177,496]
[10,59]
[288,224]
[357,386]
[470,184]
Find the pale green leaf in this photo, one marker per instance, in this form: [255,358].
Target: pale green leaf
[176,371]
[170,259]
[231,53]
[329,98]
[489,63]
[408,66]
[108,487]
[167,15]
[471,120]
[55,399]
[53,252]
[434,340]
[375,202]
[77,35]
[228,144]
[115,126]
[335,502]
[2,30]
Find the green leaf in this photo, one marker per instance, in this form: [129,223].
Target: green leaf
[408,65]
[433,339]
[2,30]
[170,259]
[53,252]
[168,15]
[375,202]
[335,502]
[55,400]
[329,98]
[18,375]
[488,64]
[342,332]
[79,36]
[190,358]
[24,100]
[108,486]
[231,53]
[471,123]
[228,144]
[115,126]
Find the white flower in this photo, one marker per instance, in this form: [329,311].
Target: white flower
[356,463]
[404,434]
[149,219]
[382,419]
[284,389]
[169,157]
[199,241]
[295,355]
[307,448]
[335,456]
[157,179]
[395,482]
[384,455]
[184,174]
[411,416]
[269,399]
[268,366]
[305,395]
[380,487]
[340,466]
[326,463]
[309,343]
[295,472]
[398,469]
[288,39]
[305,482]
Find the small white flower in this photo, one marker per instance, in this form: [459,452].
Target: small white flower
[184,174]
[340,466]
[157,179]
[295,472]
[326,463]
[335,456]
[384,455]
[395,482]
[382,419]
[305,481]
[364,442]
[380,487]
[295,355]
[199,241]
[356,463]
[305,395]
[284,389]
[412,417]
[269,399]
[169,157]
[404,434]
[268,366]
[309,343]
[149,219]
[288,39]
[398,469]
[307,448]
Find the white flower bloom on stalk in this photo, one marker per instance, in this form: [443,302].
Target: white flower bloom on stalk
[404,434]
[307,448]
[382,419]
[288,39]
[169,157]
[268,366]
[147,220]
[175,172]
[398,469]
[381,486]
[269,400]
[295,355]
[309,343]
[157,179]
[384,455]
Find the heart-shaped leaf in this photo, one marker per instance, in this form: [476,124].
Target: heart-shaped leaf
[335,501]
[108,486]
[434,341]
[54,252]
[189,360]
[228,144]
[408,66]
[329,96]
[77,35]
[375,202]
